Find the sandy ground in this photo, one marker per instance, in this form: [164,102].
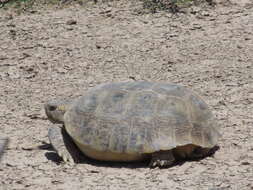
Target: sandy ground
[46,54]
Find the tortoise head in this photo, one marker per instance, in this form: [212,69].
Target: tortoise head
[55,110]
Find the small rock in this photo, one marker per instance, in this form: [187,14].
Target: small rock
[98,46]
[71,22]
[204,13]
[195,10]
[9,17]
[33,11]
[56,182]
[12,32]
[94,171]
[24,56]
[105,12]
[245,163]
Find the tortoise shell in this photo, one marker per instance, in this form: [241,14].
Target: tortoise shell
[130,118]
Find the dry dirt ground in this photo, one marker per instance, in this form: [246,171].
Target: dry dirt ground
[45,54]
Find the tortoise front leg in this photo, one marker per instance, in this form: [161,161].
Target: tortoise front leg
[162,159]
[63,144]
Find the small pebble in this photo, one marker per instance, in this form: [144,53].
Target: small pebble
[71,22]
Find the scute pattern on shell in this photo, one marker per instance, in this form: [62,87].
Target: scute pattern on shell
[145,117]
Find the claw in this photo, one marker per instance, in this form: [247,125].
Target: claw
[71,160]
[66,158]
[162,163]
[153,164]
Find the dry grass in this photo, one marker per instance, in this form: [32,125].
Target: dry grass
[152,6]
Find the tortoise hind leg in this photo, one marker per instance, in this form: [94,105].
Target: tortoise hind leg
[162,159]
[63,144]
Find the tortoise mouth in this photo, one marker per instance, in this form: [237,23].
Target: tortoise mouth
[53,114]
[49,117]
[53,120]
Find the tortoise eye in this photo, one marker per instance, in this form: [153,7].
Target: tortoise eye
[52,108]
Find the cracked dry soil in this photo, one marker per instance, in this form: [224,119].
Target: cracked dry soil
[63,52]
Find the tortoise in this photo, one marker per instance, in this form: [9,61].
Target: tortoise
[132,121]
